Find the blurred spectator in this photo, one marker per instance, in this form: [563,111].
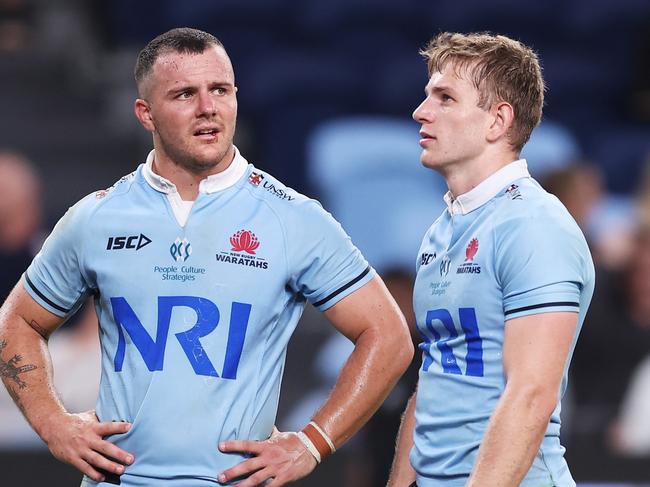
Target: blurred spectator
[20,218]
[16,24]
[607,221]
[631,436]
[75,350]
[614,341]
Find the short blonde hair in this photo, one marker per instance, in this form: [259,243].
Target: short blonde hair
[501,69]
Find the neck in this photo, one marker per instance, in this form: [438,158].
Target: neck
[187,181]
[464,176]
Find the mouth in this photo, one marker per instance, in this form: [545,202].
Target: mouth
[207,134]
[425,138]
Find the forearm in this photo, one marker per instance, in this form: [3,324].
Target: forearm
[402,473]
[513,438]
[26,371]
[368,376]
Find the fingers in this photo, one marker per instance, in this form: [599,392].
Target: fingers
[282,459]
[98,461]
[257,478]
[112,428]
[109,450]
[79,441]
[241,469]
[240,446]
[87,469]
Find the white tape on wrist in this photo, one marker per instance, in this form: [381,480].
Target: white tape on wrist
[309,445]
[325,437]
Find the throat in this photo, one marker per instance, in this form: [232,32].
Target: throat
[181,207]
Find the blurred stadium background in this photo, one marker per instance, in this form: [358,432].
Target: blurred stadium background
[326,90]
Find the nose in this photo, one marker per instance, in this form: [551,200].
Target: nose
[423,113]
[207,105]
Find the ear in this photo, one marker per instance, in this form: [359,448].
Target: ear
[503,118]
[142,111]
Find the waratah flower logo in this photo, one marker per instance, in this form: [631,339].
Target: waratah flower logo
[244,241]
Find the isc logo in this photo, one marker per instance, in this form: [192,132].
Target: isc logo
[207,318]
[426,258]
[134,242]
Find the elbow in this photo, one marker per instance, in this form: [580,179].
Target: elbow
[402,348]
[540,399]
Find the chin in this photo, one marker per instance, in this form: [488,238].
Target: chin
[429,162]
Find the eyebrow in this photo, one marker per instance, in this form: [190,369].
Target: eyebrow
[439,89]
[190,87]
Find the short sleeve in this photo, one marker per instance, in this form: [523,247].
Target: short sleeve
[541,265]
[55,277]
[324,265]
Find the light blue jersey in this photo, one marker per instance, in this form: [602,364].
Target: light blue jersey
[505,249]
[195,315]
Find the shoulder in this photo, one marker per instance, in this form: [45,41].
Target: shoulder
[287,203]
[525,206]
[92,203]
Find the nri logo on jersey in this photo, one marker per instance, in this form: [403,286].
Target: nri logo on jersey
[433,335]
[207,318]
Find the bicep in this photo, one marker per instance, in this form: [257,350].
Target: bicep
[21,307]
[536,348]
[370,306]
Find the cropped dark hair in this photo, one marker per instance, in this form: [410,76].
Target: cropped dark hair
[181,40]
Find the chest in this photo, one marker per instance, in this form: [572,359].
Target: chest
[225,252]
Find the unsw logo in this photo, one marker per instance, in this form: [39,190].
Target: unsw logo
[279,192]
[132,242]
[469,267]
[244,245]
[257,178]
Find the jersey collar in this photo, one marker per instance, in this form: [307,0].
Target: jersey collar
[487,189]
[211,184]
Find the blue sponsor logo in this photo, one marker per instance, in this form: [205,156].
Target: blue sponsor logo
[181,249]
[152,349]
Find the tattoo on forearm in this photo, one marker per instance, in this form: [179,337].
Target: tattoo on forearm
[39,329]
[11,370]
[16,398]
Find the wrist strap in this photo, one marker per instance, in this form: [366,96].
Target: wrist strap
[309,445]
[319,439]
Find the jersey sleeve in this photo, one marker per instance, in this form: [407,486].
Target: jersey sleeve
[541,265]
[324,265]
[55,277]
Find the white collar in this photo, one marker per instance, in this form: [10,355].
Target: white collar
[487,189]
[211,184]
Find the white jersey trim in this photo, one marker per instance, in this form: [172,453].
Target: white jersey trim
[211,184]
[487,189]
